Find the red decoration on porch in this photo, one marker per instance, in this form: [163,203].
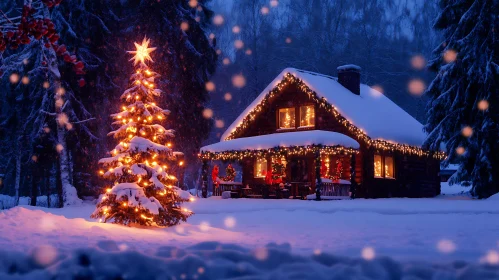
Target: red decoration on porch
[268,178]
[339,171]
[230,174]
[214,176]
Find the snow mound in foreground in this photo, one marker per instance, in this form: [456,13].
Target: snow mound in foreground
[494,197]
[212,260]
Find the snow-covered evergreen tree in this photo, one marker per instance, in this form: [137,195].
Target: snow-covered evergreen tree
[143,191]
[464,97]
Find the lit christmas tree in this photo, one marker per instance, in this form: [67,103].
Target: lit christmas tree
[143,192]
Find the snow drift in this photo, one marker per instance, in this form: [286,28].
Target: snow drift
[212,260]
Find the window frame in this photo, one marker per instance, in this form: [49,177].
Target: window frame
[255,166]
[299,116]
[279,118]
[383,166]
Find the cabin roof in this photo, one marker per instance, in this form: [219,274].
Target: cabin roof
[284,139]
[371,111]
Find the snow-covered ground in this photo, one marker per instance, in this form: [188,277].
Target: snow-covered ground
[449,227]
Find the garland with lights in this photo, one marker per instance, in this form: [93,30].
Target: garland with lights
[322,102]
[143,192]
[277,151]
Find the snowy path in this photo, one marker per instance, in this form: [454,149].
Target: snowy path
[401,228]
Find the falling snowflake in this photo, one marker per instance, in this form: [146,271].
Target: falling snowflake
[184,26]
[265,10]
[218,20]
[261,254]
[483,105]
[193,3]
[59,148]
[416,86]
[238,81]
[236,29]
[204,226]
[446,246]
[274,3]
[14,78]
[228,96]
[219,123]
[288,40]
[368,253]
[450,56]
[467,131]
[210,86]
[230,222]
[238,44]
[25,80]
[207,113]
[418,62]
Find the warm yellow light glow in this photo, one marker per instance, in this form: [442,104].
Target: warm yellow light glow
[181,163]
[192,199]
[124,204]
[169,144]
[108,190]
[142,52]
[101,172]
[148,72]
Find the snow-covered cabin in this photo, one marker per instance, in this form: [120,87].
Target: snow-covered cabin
[348,134]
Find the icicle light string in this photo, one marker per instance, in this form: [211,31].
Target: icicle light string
[322,103]
[289,151]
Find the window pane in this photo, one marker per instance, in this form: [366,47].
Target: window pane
[287,118]
[389,167]
[377,166]
[307,116]
[260,168]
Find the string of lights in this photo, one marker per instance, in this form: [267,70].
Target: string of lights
[277,151]
[290,79]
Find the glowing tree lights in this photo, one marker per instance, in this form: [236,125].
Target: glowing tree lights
[144,192]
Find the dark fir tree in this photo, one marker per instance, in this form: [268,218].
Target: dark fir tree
[37,100]
[463,109]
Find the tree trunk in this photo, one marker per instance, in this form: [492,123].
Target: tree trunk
[18,175]
[35,180]
[68,190]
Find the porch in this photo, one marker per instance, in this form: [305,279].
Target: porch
[298,165]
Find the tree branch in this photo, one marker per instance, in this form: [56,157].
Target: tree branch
[91,119]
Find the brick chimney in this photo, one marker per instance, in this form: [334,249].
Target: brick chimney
[349,77]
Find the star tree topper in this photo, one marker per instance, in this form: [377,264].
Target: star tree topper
[142,53]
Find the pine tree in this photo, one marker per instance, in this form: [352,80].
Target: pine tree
[143,191]
[464,97]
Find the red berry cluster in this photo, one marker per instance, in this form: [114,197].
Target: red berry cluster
[39,29]
[51,3]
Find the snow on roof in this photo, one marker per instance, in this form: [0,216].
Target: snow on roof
[348,67]
[285,139]
[370,111]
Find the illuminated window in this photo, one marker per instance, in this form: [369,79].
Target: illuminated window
[307,116]
[287,118]
[378,170]
[260,168]
[383,167]
[389,167]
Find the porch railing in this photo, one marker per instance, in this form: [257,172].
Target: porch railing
[335,189]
